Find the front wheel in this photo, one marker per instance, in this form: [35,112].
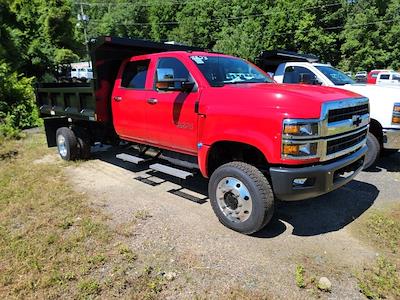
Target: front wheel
[241,197]
[374,149]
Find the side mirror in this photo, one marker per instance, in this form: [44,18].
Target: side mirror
[307,78]
[166,81]
[176,84]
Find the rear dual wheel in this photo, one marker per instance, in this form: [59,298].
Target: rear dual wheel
[241,197]
[72,146]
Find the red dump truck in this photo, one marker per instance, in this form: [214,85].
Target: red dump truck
[255,140]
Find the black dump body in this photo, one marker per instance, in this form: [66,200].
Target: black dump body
[61,103]
[270,60]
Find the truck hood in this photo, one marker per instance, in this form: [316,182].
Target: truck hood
[294,101]
[374,91]
[381,100]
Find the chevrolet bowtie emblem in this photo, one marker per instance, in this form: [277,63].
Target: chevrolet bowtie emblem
[356,120]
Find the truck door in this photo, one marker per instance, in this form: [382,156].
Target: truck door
[298,74]
[171,117]
[129,100]
[383,78]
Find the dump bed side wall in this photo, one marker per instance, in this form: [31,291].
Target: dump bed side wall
[74,100]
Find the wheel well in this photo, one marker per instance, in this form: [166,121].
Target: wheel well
[376,129]
[224,152]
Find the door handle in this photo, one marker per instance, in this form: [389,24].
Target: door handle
[152,101]
[117,98]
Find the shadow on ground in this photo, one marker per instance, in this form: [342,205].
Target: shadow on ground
[323,214]
[388,162]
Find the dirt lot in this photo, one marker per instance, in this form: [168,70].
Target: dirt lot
[201,258]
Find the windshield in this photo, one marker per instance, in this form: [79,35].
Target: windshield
[396,76]
[334,75]
[220,70]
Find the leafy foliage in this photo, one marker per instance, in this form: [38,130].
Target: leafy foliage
[17,102]
[38,35]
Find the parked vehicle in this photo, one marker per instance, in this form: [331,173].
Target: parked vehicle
[81,71]
[372,75]
[389,78]
[384,131]
[361,76]
[214,113]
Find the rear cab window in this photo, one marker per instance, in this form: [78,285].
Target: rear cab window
[135,74]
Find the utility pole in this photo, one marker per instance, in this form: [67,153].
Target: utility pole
[84,19]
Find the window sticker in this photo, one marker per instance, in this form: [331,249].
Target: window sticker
[199,59]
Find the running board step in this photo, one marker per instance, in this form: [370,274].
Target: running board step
[171,171]
[130,158]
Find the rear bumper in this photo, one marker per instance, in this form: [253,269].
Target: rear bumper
[391,138]
[321,179]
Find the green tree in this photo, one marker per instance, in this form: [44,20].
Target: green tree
[363,41]
[17,102]
[392,37]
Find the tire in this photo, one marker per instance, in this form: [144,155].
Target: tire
[67,144]
[373,152]
[238,180]
[84,144]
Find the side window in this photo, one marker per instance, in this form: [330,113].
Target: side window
[299,75]
[134,76]
[385,76]
[169,68]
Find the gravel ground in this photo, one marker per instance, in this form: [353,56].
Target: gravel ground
[210,260]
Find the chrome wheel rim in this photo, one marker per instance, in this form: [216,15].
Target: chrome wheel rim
[61,145]
[234,199]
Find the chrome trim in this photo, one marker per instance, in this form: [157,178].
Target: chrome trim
[391,138]
[344,125]
[329,131]
[322,146]
[345,151]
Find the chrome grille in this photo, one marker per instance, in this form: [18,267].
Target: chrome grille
[346,113]
[342,143]
[344,126]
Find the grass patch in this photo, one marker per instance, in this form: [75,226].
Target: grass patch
[88,288]
[381,229]
[52,243]
[142,215]
[382,281]
[299,273]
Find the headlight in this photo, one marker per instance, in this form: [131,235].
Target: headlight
[299,138]
[299,150]
[396,114]
[300,128]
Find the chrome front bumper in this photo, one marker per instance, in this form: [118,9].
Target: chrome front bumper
[391,138]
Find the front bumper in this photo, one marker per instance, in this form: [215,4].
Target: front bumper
[391,138]
[321,179]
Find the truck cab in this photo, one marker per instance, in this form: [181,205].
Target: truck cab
[388,78]
[212,114]
[384,132]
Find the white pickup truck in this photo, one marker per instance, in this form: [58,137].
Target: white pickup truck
[384,132]
[388,78]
